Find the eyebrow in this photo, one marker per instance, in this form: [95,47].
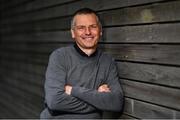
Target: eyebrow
[85,25]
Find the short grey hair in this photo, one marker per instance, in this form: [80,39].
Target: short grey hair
[85,11]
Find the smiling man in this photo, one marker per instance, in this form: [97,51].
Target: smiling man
[86,31]
[82,81]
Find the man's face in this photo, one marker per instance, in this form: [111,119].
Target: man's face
[86,31]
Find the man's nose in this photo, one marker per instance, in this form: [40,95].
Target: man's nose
[87,31]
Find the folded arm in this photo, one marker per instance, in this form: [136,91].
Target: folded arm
[108,97]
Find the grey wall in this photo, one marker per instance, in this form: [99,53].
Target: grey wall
[143,36]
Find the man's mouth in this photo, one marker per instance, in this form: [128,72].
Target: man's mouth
[88,38]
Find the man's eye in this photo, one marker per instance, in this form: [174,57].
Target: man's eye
[80,27]
[94,26]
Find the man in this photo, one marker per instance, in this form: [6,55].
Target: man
[81,81]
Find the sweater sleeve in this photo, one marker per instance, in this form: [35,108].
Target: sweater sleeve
[55,96]
[106,101]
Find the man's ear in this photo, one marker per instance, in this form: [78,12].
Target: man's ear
[72,33]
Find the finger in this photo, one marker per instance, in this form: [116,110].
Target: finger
[104,90]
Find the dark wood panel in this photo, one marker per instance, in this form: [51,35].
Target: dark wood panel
[64,23]
[21,82]
[32,48]
[12,107]
[54,36]
[158,74]
[38,59]
[163,54]
[27,79]
[26,53]
[157,33]
[15,102]
[6,108]
[177,115]
[145,110]
[148,111]
[38,26]
[5,112]
[25,75]
[132,15]
[128,106]
[68,9]
[34,5]
[20,89]
[160,95]
[11,3]
[22,113]
[33,70]
[164,12]
[24,57]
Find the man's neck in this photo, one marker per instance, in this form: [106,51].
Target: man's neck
[88,51]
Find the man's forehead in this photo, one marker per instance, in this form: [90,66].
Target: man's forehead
[81,17]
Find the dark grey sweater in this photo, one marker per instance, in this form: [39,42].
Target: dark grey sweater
[69,65]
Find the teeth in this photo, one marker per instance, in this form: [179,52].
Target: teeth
[87,38]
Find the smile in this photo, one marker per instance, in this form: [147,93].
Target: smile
[87,38]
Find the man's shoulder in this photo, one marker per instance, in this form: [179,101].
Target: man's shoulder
[61,52]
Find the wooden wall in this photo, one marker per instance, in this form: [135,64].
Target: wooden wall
[143,36]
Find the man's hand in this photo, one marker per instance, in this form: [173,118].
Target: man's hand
[104,88]
[68,89]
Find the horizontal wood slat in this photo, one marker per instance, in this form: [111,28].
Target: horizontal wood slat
[55,36]
[68,9]
[9,4]
[162,54]
[33,5]
[145,110]
[156,33]
[36,70]
[19,100]
[156,74]
[26,79]
[165,12]
[139,15]
[19,81]
[168,97]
